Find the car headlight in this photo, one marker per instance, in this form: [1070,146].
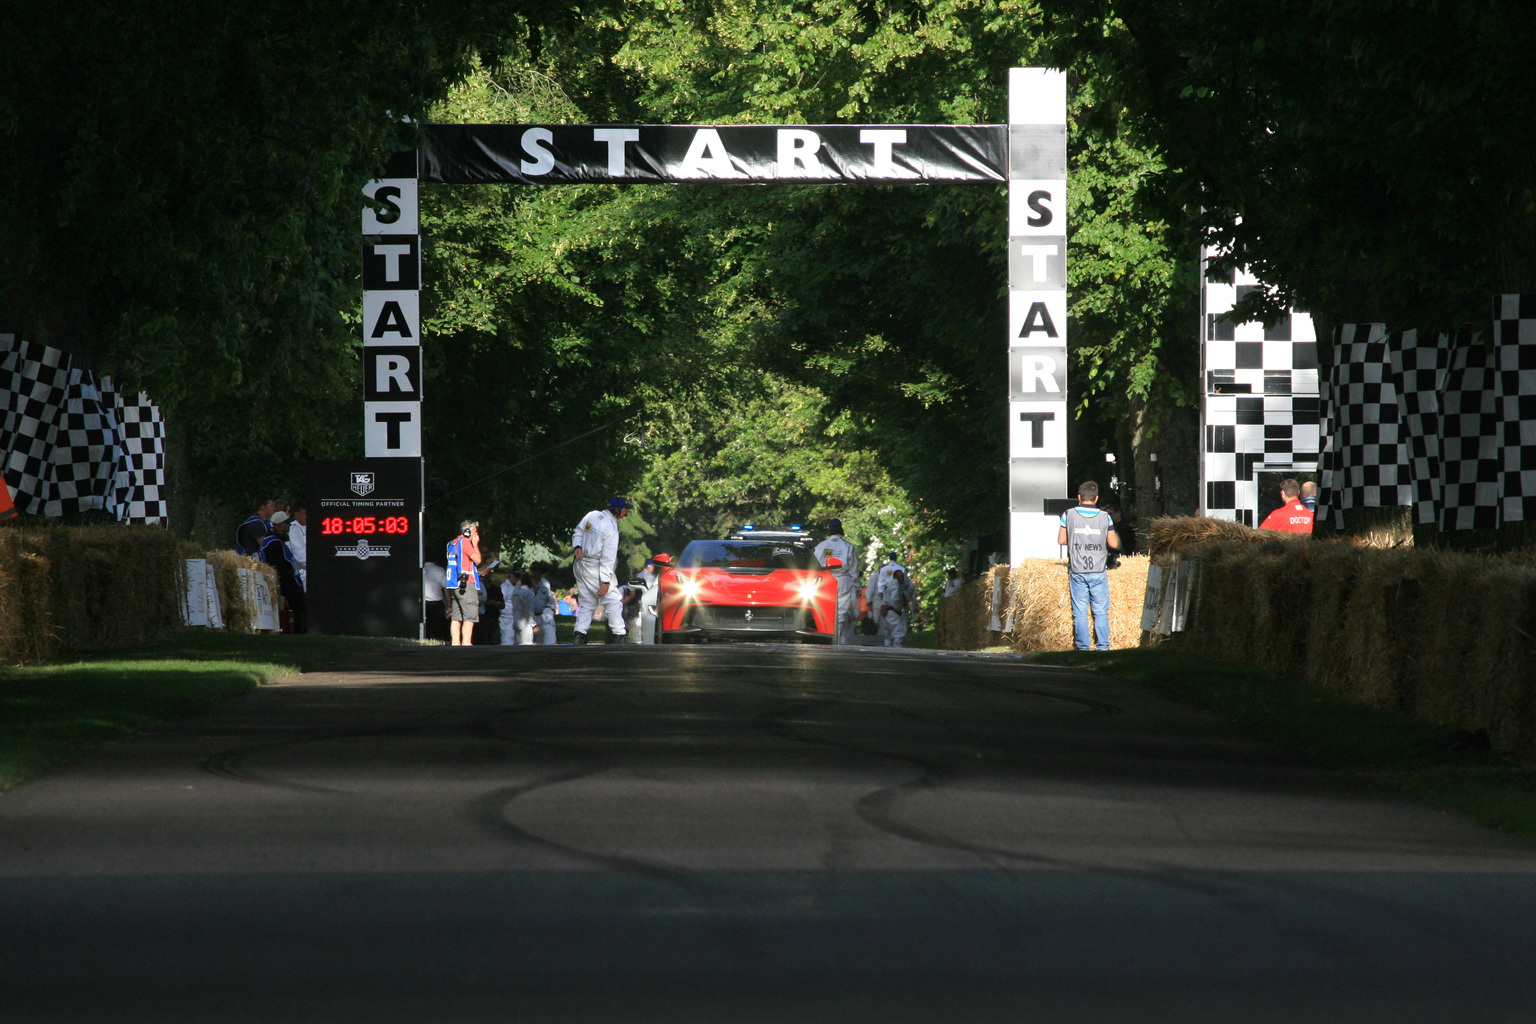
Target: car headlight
[809,587]
[689,587]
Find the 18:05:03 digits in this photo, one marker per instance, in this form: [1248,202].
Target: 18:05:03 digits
[336,525]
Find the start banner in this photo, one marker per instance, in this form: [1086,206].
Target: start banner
[563,154]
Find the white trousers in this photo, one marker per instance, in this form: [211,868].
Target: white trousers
[546,628]
[586,590]
[508,630]
[893,628]
[847,608]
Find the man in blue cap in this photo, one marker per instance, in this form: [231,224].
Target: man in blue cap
[595,550]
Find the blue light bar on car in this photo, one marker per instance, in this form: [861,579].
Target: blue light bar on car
[747,527]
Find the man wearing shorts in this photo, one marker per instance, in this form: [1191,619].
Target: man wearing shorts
[461,583]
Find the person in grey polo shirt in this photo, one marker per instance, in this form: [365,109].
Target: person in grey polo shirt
[1089,535]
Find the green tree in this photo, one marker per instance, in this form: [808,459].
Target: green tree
[181,208]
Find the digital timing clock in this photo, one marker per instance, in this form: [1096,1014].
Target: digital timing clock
[357,526]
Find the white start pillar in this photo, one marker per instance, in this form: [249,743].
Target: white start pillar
[1037,310]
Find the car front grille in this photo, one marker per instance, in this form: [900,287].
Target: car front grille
[727,617]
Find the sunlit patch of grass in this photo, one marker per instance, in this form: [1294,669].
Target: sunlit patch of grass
[50,714]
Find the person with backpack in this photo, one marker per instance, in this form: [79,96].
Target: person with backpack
[461,584]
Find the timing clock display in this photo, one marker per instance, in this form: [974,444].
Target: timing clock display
[360,526]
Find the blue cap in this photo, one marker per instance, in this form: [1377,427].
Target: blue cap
[834,526]
[617,505]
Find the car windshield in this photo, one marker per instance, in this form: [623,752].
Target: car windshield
[743,554]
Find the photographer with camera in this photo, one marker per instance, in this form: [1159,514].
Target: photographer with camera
[461,583]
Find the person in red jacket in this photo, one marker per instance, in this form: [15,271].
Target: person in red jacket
[1292,516]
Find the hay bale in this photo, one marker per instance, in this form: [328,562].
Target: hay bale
[226,565]
[1403,629]
[1168,535]
[1039,611]
[69,589]
[963,617]
[12,617]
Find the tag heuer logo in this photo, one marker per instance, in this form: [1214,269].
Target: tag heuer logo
[362,484]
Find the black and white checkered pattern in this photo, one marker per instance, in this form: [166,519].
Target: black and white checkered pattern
[138,482]
[1471,439]
[1421,366]
[72,444]
[1261,405]
[1514,326]
[1446,425]
[1367,465]
[34,383]
[84,450]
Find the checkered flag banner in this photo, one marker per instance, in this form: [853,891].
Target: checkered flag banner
[65,445]
[1471,438]
[34,383]
[138,478]
[1366,464]
[1514,325]
[1421,367]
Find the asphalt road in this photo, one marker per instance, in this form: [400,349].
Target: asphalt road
[740,833]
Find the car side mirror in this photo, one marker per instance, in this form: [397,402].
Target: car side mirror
[834,563]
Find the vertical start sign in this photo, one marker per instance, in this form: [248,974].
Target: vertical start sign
[392,313]
[1037,310]
[364,535]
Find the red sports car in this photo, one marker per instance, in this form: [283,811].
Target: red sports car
[748,589]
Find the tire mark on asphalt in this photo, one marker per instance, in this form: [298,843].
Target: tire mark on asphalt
[489,811]
[227,764]
[879,808]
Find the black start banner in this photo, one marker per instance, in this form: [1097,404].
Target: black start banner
[563,154]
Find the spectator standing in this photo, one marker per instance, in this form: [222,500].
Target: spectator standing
[256,528]
[298,544]
[595,549]
[952,582]
[634,598]
[542,610]
[896,595]
[461,584]
[509,620]
[1088,532]
[275,552]
[522,599]
[846,575]
[1309,496]
[1291,517]
[875,592]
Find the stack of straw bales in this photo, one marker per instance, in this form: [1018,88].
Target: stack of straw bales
[1036,610]
[963,617]
[65,590]
[239,616]
[1444,636]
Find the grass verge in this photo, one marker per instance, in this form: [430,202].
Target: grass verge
[51,714]
[1484,785]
